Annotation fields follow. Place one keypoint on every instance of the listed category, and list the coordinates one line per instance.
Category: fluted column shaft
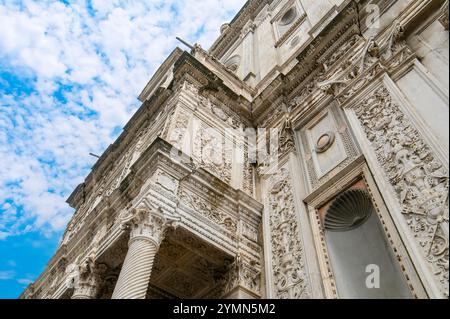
(145, 237)
(136, 270)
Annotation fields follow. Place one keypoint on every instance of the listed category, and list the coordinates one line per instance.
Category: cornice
(189, 67)
(114, 151)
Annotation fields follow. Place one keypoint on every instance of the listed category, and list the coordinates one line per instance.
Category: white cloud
(24, 281)
(98, 58)
(7, 274)
(4, 235)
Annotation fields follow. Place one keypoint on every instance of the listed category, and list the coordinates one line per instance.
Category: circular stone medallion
(324, 142)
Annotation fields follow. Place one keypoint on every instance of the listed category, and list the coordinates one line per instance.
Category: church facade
(304, 155)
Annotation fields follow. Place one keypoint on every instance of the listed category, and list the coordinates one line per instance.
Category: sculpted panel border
(414, 180)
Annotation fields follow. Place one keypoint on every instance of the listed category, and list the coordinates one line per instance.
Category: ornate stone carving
(84, 278)
(209, 210)
(286, 139)
(241, 273)
(351, 69)
(143, 222)
(360, 69)
(418, 177)
(211, 153)
(340, 52)
(179, 129)
(290, 281)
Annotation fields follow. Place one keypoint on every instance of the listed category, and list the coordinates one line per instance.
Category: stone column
(146, 233)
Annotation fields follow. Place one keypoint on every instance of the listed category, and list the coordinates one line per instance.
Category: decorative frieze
(209, 210)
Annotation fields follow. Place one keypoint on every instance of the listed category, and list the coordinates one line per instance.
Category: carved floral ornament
(374, 57)
(287, 250)
(147, 222)
(241, 273)
(84, 276)
(209, 210)
(416, 174)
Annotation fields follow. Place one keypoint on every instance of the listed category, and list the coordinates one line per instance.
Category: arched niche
(358, 248)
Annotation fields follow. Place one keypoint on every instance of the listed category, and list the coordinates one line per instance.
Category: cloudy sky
(70, 74)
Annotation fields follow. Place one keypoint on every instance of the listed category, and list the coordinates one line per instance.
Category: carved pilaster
(290, 281)
(416, 174)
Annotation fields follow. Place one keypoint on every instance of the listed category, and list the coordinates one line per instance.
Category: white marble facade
(355, 97)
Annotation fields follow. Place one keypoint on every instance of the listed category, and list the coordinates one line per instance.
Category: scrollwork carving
(287, 250)
(418, 177)
(145, 223)
(208, 210)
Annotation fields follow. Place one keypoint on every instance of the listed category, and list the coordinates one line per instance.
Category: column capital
(84, 278)
(145, 223)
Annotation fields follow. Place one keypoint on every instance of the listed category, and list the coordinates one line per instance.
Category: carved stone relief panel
(212, 153)
(419, 179)
(240, 273)
(210, 209)
(328, 146)
(288, 261)
(179, 128)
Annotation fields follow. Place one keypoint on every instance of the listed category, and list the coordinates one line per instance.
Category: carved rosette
(418, 177)
(290, 280)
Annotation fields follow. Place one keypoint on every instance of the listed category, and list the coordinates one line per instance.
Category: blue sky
(70, 74)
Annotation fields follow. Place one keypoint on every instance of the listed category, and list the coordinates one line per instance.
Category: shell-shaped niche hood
(348, 211)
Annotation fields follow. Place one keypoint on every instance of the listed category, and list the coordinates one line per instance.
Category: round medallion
(324, 142)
